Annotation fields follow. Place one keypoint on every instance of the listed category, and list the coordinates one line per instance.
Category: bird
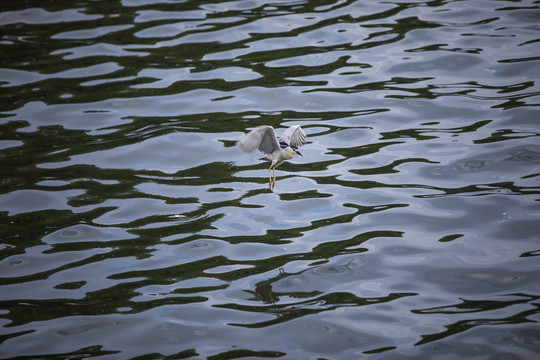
(275, 150)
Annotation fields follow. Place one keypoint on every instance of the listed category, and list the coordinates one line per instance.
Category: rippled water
(132, 227)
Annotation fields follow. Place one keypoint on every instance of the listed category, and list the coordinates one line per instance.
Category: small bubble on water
(70, 233)
(471, 164)
(17, 262)
(200, 245)
(331, 270)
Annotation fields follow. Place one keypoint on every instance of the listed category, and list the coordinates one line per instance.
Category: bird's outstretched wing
(262, 137)
(294, 135)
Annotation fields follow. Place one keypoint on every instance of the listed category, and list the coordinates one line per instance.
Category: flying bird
(275, 150)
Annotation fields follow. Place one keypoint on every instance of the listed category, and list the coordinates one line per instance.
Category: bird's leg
(273, 168)
(270, 179)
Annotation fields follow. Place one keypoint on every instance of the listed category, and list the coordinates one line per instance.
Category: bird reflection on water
(264, 291)
(276, 150)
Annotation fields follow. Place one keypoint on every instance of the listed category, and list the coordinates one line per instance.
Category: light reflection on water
(133, 228)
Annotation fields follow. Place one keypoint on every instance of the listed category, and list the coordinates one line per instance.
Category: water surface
(132, 227)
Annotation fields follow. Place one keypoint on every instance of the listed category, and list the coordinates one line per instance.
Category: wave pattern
(133, 228)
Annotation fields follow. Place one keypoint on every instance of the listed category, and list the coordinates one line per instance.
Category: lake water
(133, 228)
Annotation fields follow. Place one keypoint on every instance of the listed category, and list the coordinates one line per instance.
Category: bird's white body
(276, 150)
(279, 156)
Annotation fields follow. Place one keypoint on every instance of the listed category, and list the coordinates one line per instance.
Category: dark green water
(132, 228)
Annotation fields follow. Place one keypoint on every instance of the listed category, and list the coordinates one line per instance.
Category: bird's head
(295, 150)
(291, 150)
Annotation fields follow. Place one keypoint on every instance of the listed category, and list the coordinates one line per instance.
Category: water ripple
(132, 226)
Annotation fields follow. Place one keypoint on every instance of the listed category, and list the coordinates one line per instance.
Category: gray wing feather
(262, 138)
(294, 135)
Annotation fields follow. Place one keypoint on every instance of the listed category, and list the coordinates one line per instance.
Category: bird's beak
(298, 152)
